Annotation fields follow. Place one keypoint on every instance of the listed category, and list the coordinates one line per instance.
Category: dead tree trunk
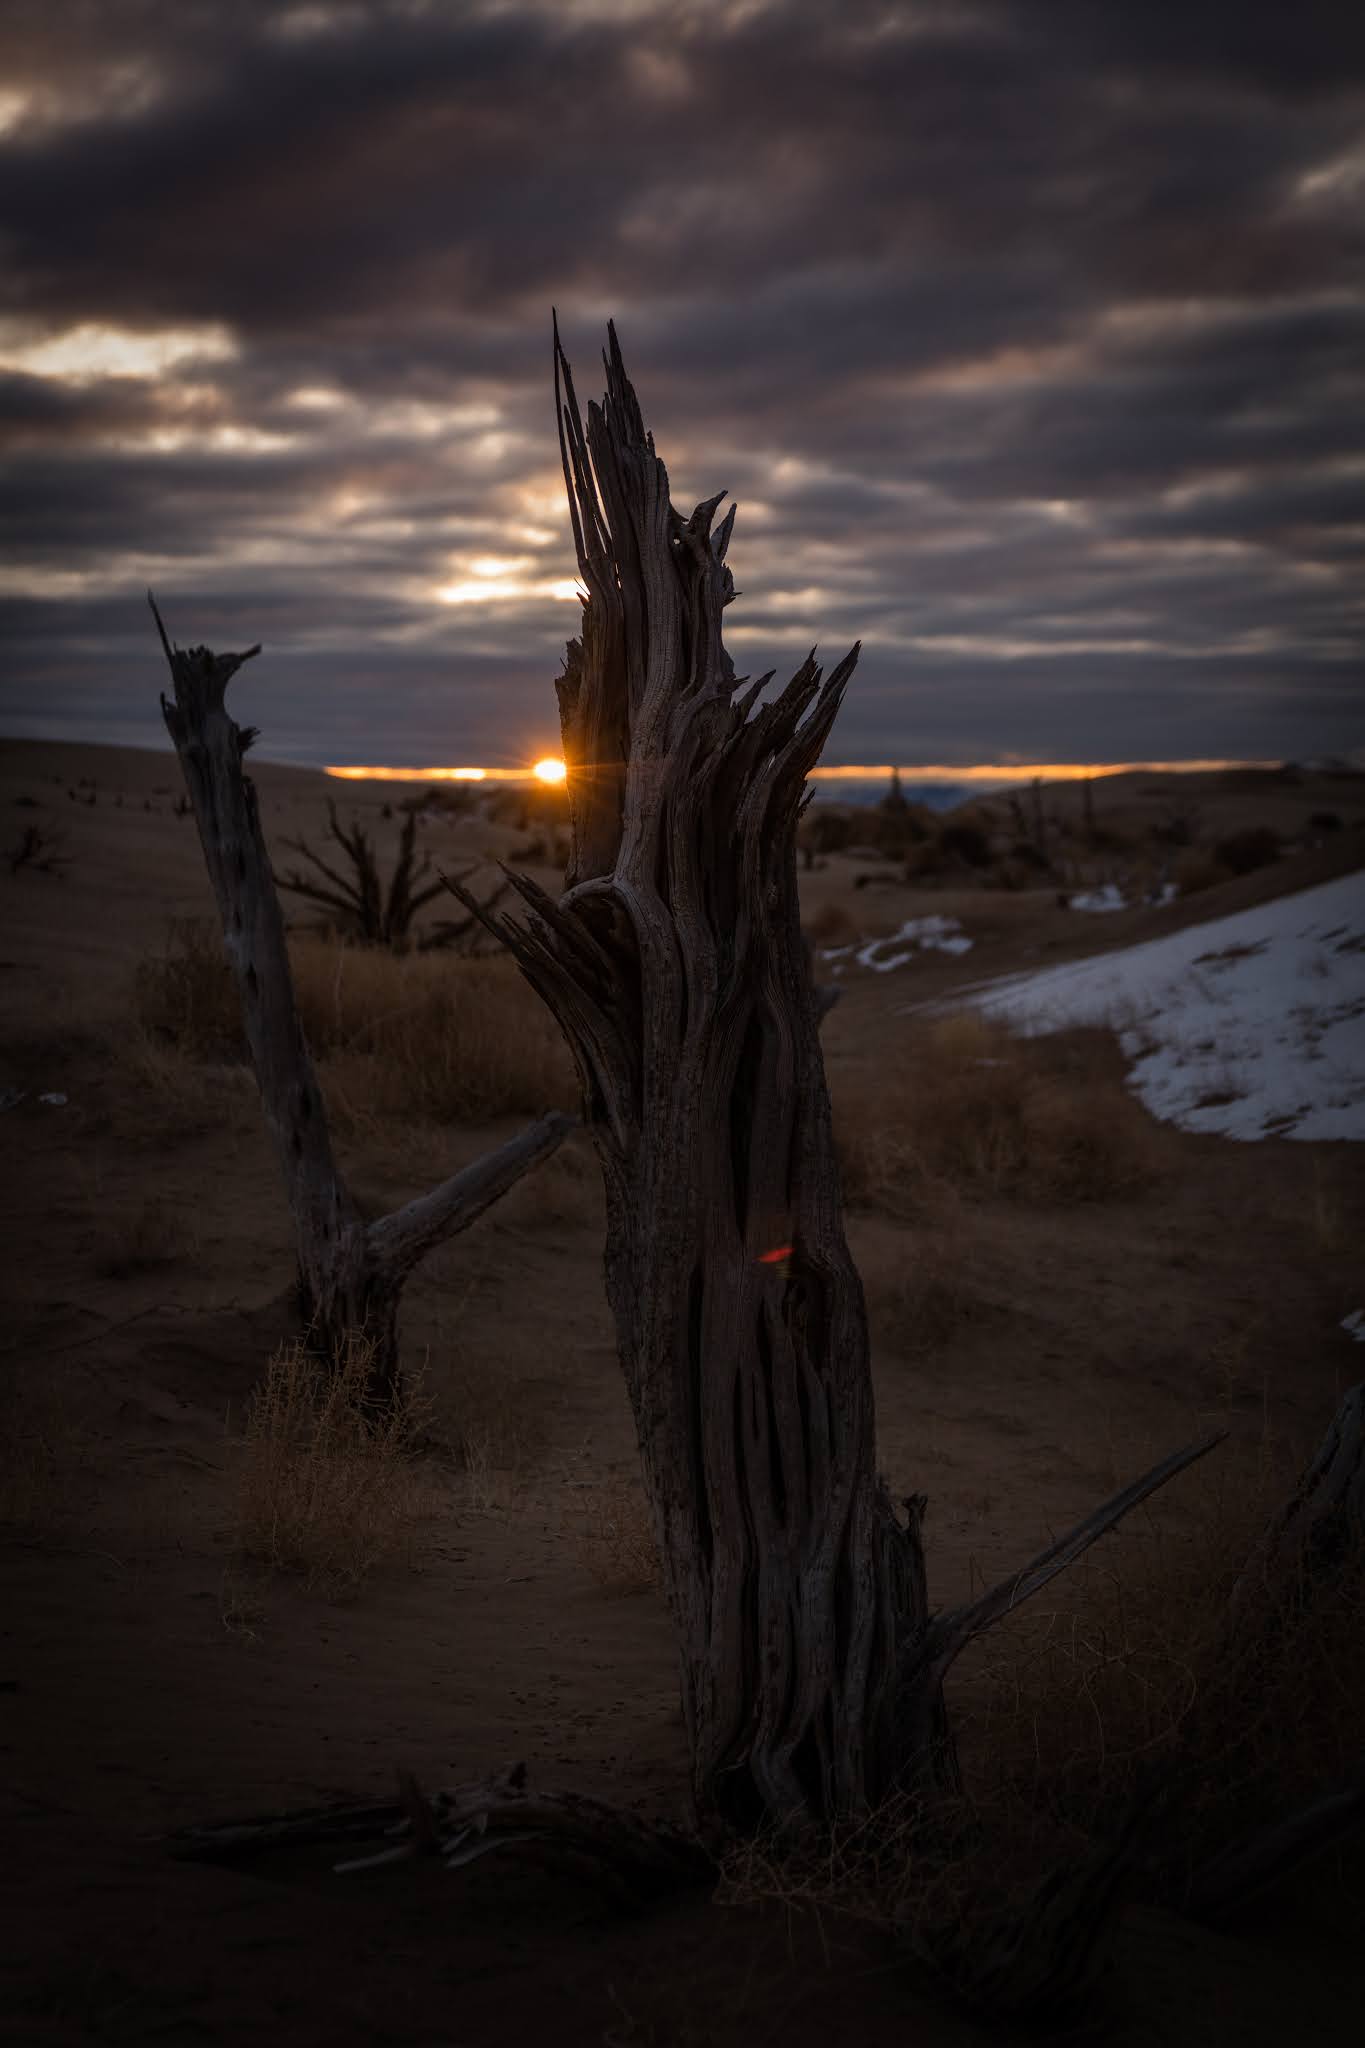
(675, 964)
(351, 1273)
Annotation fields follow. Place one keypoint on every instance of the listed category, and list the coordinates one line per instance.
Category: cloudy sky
(1028, 334)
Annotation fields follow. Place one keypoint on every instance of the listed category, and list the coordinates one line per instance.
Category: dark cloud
(1031, 338)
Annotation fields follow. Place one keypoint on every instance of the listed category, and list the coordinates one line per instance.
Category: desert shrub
(326, 1483)
(1025, 854)
(974, 1107)
(429, 1037)
(609, 1524)
(1199, 869)
(1243, 852)
(413, 1035)
(963, 839)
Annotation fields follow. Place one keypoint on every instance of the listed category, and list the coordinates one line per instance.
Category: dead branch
(351, 1272)
(950, 1633)
(367, 911)
(644, 1859)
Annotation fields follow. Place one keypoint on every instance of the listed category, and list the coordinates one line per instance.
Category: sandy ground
(147, 1681)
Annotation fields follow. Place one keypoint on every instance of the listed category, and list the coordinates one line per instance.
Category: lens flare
(549, 771)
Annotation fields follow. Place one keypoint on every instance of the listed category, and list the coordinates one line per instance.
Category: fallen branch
(646, 1859)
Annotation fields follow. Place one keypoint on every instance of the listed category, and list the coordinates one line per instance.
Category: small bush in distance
(1244, 852)
(966, 841)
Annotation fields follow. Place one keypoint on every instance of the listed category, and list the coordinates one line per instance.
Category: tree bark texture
(350, 1273)
(675, 964)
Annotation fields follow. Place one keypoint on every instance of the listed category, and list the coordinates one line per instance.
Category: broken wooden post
(351, 1273)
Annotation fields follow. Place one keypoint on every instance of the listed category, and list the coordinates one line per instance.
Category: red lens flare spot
(775, 1258)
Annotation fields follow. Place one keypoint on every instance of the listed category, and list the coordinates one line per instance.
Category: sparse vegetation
(1131, 1696)
(987, 1113)
(609, 1523)
(327, 1486)
(1199, 869)
(364, 910)
(413, 1036)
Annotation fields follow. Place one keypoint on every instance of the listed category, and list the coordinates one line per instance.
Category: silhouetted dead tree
(365, 909)
(351, 1272)
(812, 1665)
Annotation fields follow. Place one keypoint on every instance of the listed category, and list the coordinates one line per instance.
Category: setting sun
(549, 771)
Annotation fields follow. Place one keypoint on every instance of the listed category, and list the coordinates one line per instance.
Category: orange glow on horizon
(998, 773)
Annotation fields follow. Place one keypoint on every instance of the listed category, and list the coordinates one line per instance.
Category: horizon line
(933, 771)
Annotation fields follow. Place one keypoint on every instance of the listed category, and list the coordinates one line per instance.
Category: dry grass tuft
(973, 1108)
(426, 1037)
(327, 1486)
(609, 1523)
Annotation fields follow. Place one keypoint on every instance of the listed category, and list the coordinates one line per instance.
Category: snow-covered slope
(1251, 1025)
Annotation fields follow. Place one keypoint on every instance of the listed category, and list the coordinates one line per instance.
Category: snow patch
(1251, 1026)
(1110, 897)
(932, 934)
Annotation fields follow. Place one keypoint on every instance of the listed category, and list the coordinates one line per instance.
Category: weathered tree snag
(676, 966)
(350, 1273)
